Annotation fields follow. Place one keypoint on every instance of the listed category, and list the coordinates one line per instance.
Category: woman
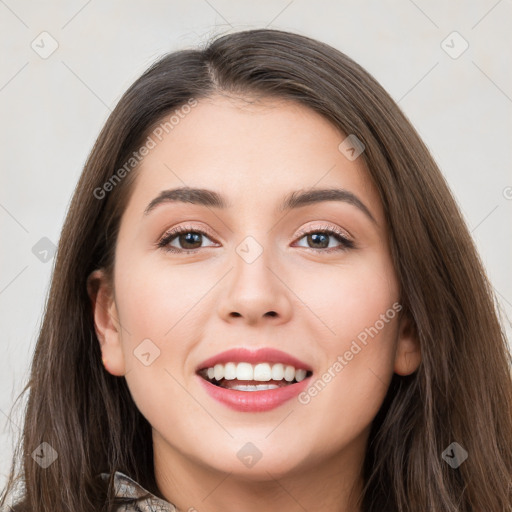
(265, 298)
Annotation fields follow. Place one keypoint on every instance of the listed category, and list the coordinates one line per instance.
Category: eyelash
(346, 243)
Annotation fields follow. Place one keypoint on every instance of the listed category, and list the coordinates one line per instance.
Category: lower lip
(254, 401)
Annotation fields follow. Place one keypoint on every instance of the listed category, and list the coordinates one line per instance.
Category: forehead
(251, 149)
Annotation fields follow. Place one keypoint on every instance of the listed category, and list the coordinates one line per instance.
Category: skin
(254, 153)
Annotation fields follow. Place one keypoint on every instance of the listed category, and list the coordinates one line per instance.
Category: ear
(408, 351)
(106, 322)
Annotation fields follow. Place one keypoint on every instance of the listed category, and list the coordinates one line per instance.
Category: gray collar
(125, 487)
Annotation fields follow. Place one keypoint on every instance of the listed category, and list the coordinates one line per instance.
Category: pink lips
(254, 401)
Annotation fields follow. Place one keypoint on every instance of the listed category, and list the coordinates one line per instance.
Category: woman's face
(260, 277)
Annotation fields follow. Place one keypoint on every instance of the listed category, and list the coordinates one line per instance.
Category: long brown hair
(462, 391)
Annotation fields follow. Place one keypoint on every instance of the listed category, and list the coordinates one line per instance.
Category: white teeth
(244, 371)
(218, 371)
(289, 373)
(300, 375)
(278, 372)
(230, 371)
(257, 387)
(261, 372)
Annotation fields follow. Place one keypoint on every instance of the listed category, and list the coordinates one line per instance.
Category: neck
(332, 485)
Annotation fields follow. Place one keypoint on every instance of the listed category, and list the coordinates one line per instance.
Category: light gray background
(53, 108)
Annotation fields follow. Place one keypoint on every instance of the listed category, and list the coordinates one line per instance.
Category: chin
(257, 464)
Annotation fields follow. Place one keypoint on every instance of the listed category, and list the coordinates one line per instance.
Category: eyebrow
(295, 199)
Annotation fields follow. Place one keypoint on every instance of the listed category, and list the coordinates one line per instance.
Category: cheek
(350, 298)
(157, 307)
(366, 324)
(364, 311)
(345, 397)
(156, 299)
(360, 307)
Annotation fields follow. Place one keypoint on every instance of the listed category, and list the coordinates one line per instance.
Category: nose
(256, 293)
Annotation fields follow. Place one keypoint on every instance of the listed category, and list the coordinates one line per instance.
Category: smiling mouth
(247, 377)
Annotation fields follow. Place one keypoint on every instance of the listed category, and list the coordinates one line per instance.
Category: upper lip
(261, 355)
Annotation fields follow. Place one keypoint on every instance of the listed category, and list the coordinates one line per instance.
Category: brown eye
(318, 240)
(190, 240)
(183, 240)
(326, 239)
